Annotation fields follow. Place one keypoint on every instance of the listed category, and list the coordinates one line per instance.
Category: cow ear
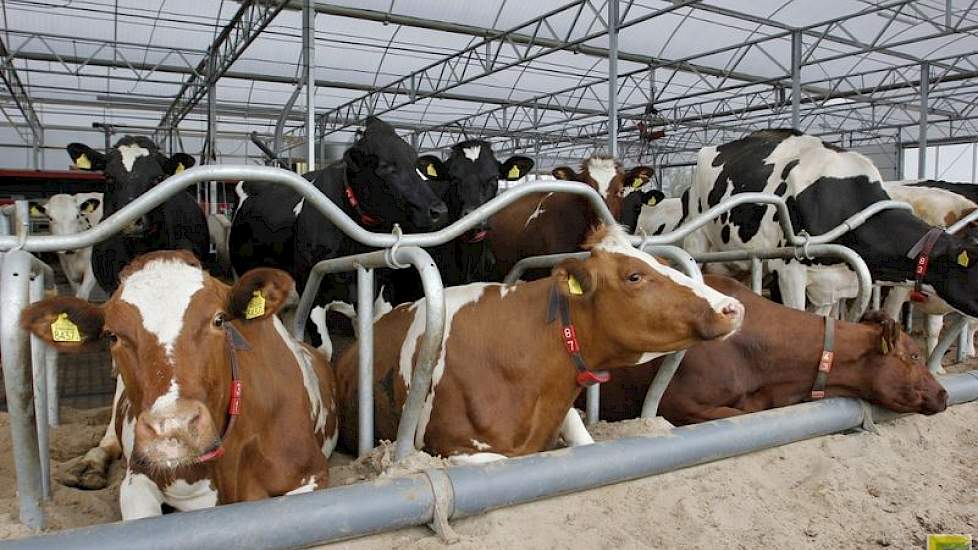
(67, 323)
(86, 158)
(89, 206)
(889, 329)
(178, 163)
(432, 167)
(652, 197)
(36, 209)
(637, 177)
(355, 158)
(260, 293)
(565, 173)
(574, 279)
(515, 168)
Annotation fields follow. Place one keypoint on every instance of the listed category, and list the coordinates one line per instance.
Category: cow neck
(235, 342)
(559, 308)
(920, 253)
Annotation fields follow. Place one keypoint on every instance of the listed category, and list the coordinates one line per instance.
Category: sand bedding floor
(858, 490)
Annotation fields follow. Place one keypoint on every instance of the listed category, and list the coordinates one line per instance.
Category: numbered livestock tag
(651, 201)
(256, 306)
(83, 162)
(574, 286)
(180, 168)
(63, 330)
(638, 182)
(948, 542)
(514, 172)
(963, 259)
(430, 171)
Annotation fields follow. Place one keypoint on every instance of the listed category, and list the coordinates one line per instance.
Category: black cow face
(631, 206)
(470, 178)
(382, 172)
(132, 167)
(953, 273)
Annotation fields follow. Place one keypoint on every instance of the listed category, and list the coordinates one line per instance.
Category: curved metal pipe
(367, 508)
(315, 199)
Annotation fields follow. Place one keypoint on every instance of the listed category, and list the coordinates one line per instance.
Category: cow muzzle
(724, 320)
(136, 227)
(176, 435)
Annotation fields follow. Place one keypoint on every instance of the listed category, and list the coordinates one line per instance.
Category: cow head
(381, 169)
(70, 214)
(165, 328)
(898, 378)
(470, 178)
(632, 204)
(638, 307)
(132, 167)
(606, 175)
(970, 231)
(953, 272)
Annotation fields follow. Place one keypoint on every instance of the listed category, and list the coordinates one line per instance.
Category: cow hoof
(83, 474)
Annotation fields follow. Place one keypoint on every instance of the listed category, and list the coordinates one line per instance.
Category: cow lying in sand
(774, 360)
(513, 358)
(217, 403)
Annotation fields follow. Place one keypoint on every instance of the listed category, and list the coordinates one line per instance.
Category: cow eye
(219, 320)
(915, 357)
(634, 277)
(113, 339)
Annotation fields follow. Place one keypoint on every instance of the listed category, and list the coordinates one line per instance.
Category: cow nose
(438, 212)
(184, 418)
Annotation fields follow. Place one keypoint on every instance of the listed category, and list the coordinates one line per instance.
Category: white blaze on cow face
(602, 171)
(130, 153)
(616, 241)
(162, 291)
(472, 153)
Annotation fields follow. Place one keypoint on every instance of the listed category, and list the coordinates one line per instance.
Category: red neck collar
(365, 219)
(235, 342)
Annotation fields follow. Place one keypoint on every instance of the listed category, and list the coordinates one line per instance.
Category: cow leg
(793, 280)
(934, 325)
(573, 430)
(139, 497)
(475, 458)
(895, 299)
(91, 471)
(191, 496)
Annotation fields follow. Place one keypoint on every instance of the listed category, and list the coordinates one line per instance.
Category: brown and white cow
(505, 377)
(192, 436)
(551, 223)
(772, 361)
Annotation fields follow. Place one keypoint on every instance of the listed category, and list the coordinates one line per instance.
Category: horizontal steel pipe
(314, 198)
(383, 505)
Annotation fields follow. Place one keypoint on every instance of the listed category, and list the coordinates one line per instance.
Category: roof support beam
(251, 18)
(8, 73)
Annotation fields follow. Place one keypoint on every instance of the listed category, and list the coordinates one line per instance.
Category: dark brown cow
(550, 223)
(772, 361)
(192, 436)
(504, 380)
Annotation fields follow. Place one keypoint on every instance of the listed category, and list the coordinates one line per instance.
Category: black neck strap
(825, 360)
(921, 253)
(559, 306)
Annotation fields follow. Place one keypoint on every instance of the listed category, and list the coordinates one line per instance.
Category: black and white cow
(67, 215)
(377, 184)
(465, 181)
(822, 185)
(132, 167)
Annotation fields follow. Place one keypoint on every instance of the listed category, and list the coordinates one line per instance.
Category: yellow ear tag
(63, 330)
(963, 259)
(574, 286)
(514, 172)
(651, 201)
(638, 182)
(884, 347)
(256, 306)
(83, 162)
(180, 168)
(35, 211)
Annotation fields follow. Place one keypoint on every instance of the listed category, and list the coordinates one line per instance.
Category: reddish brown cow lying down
(507, 376)
(773, 360)
(192, 436)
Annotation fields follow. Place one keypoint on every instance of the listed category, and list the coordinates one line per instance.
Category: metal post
(922, 131)
(593, 404)
(756, 275)
(51, 371)
(876, 297)
(947, 338)
(365, 358)
(14, 295)
(796, 46)
(963, 340)
(650, 407)
(39, 352)
(613, 78)
(309, 66)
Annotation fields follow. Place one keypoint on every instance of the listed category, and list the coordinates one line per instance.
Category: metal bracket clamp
(390, 254)
(806, 239)
(444, 504)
